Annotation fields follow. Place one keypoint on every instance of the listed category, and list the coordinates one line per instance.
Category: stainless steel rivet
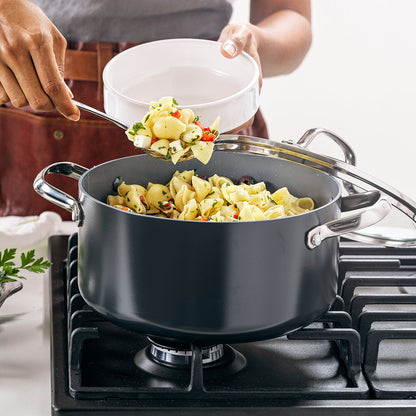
(316, 240)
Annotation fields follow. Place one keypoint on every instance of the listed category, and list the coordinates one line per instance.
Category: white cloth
(22, 232)
(24, 319)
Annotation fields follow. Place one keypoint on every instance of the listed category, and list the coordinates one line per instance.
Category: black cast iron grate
(336, 363)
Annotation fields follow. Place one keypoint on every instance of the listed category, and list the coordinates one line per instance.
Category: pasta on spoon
(174, 133)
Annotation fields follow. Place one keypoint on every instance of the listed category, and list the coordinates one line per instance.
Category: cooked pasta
(188, 196)
(174, 132)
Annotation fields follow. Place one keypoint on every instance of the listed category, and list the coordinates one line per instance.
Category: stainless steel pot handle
(311, 134)
(349, 155)
(379, 208)
(55, 195)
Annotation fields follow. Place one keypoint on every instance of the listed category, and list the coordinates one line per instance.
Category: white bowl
(192, 71)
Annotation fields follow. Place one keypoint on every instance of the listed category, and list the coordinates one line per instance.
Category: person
(54, 50)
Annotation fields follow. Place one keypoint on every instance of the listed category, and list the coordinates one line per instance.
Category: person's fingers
(4, 98)
(32, 57)
(228, 47)
(12, 88)
(29, 83)
(59, 49)
(237, 38)
(50, 73)
(23, 85)
(18, 75)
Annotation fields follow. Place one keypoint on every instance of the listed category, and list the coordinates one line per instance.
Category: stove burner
(172, 359)
(359, 355)
(174, 354)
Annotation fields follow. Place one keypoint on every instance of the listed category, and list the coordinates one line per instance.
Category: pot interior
(301, 181)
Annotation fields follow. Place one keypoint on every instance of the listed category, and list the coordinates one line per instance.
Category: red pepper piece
(208, 137)
(176, 114)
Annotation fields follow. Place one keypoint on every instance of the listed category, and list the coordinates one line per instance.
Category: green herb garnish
(137, 126)
(271, 200)
(9, 272)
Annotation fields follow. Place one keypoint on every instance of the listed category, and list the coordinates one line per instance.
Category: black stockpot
(204, 282)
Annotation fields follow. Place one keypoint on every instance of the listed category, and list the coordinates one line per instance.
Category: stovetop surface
(360, 355)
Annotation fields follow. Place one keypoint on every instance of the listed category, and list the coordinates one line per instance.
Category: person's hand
(239, 37)
(235, 38)
(32, 56)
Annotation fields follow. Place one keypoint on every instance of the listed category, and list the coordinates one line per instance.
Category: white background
(358, 80)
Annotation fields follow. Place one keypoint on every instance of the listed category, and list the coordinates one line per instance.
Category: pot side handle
(378, 208)
(55, 195)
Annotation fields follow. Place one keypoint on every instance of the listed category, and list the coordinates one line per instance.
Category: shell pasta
(174, 132)
(188, 196)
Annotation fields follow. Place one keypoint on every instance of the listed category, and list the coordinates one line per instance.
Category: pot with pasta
(240, 249)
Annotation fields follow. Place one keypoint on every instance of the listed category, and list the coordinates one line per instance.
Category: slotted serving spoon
(120, 124)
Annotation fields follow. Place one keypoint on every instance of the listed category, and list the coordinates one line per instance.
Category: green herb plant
(9, 271)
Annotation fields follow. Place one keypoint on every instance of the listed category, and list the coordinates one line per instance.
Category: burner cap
(180, 355)
(172, 359)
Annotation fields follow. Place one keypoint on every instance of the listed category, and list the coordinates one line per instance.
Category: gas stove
(360, 356)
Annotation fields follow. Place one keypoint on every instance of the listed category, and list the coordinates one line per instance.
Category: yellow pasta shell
(168, 128)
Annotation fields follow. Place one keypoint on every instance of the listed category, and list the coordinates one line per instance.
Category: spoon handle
(99, 113)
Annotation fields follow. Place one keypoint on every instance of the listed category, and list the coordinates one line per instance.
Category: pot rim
(334, 199)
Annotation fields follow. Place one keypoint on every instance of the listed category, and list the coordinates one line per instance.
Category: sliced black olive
(117, 182)
(248, 180)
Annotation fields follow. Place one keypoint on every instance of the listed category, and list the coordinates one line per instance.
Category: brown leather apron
(31, 140)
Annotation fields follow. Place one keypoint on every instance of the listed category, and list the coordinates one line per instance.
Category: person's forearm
(283, 38)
